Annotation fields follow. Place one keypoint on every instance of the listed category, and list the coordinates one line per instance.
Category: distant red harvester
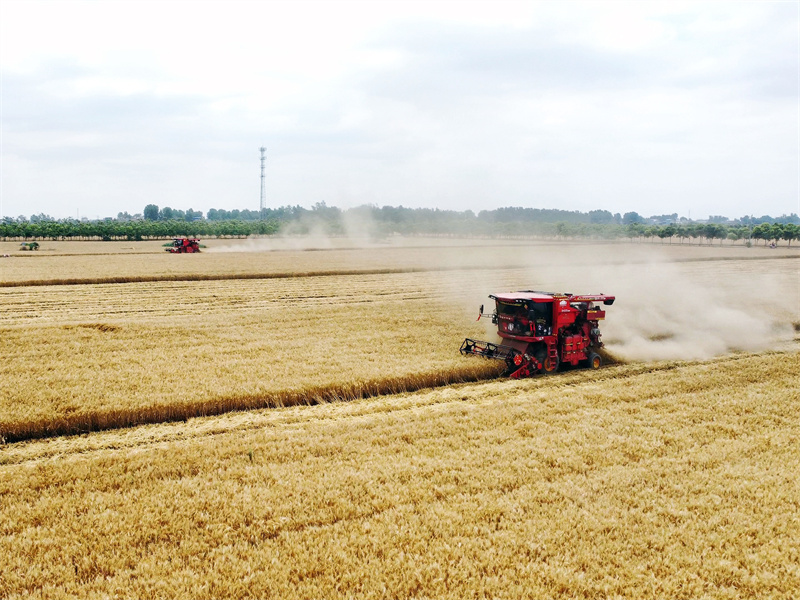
(184, 245)
(543, 330)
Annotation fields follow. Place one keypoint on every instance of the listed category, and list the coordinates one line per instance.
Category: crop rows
(94, 357)
(672, 479)
(673, 483)
(89, 357)
(147, 261)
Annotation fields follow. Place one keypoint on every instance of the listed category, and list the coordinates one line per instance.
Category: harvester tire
(549, 365)
(595, 360)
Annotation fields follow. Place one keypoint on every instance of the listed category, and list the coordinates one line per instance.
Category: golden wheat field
(221, 465)
(98, 262)
(671, 480)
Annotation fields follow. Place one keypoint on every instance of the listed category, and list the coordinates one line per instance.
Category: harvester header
(542, 330)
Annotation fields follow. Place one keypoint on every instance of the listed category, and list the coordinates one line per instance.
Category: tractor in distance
(184, 245)
(541, 331)
(29, 246)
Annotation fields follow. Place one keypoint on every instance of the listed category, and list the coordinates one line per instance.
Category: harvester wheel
(595, 360)
(549, 365)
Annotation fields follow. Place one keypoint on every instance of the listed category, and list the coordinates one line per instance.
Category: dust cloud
(357, 231)
(672, 304)
(665, 311)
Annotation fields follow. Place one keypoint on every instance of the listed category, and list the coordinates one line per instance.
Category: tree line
(132, 230)
(377, 222)
(398, 215)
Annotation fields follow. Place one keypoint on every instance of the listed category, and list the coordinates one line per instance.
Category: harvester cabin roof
(519, 297)
(527, 296)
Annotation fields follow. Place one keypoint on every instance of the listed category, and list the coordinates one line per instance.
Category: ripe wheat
(677, 480)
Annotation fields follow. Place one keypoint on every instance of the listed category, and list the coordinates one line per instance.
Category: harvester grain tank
(543, 330)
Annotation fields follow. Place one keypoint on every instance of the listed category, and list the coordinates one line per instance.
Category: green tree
(735, 234)
(761, 232)
(634, 230)
(666, 232)
(631, 217)
(151, 212)
(791, 232)
(694, 231)
(776, 232)
(713, 231)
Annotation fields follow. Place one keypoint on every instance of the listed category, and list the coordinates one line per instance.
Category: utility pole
(263, 181)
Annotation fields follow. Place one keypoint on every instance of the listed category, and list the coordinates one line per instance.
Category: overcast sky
(654, 107)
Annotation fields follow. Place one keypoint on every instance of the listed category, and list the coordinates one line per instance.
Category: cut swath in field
(122, 263)
(79, 358)
(229, 346)
(73, 420)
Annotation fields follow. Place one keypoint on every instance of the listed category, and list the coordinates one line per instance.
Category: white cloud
(654, 107)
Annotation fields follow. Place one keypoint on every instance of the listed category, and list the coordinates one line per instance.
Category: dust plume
(354, 229)
(663, 311)
(669, 305)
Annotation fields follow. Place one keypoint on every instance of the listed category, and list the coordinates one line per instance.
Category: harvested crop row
(117, 279)
(201, 277)
(251, 259)
(466, 289)
(103, 419)
(678, 483)
(168, 301)
(84, 357)
(112, 356)
(210, 264)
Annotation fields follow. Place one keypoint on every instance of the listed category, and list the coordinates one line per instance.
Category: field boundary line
(329, 273)
(217, 277)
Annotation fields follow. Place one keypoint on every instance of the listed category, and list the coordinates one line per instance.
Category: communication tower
(263, 181)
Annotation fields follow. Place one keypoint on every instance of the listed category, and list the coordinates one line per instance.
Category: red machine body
(543, 330)
(184, 245)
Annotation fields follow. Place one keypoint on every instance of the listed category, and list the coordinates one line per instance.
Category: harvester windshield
(512, 309)
(540, 311)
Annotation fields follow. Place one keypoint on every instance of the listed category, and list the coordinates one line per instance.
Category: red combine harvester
(542, 330)
(184, 245)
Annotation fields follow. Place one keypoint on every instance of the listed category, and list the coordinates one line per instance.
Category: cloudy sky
(654, 107)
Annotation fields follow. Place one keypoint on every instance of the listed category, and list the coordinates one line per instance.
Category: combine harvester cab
(543, 330)
(184, 245)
